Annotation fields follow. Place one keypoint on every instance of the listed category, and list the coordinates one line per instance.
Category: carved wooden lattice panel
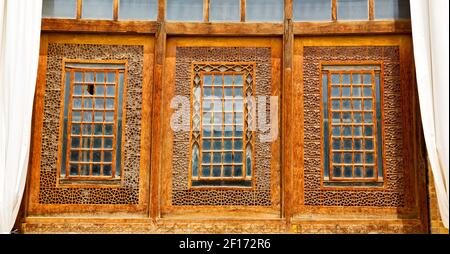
(189, 61)
(127, 192)
(394, 191)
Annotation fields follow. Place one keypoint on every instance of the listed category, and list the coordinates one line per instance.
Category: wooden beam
(158, 81)
(116, 10)
(235, 29)
(161, 10)
(371, 10)
(352, 27)
(205, 10)
(243, 10)
(79, 8)
(288, 10)
(96, 26)
(333, 10)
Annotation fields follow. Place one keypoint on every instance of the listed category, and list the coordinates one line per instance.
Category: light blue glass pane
(346, 104)
(346, 79)
(217, 145)
(89, 77)
(96, 156)
(218, 92)
(228, 80)
(107, 170)
(77, 90)
(379, 137)
(357, 104)
(348, 171)
(357, 117)
(87, 117)
(99, 90)
(59, 8)
(337, 157)
(238, 157)
(336, 117)
(206, 132)
(98, 129)
(207, 106)
(352, 9)
(312, 10)
(238, 80)
(218, 118)
(238, 106)
(228, 118)
(358, 157)
(108, 129)
(368, 131)
(96, 169)
(369, 172)
(358, 144)
(111, 77)
(87, 103)
(238, 144)
(206, 144)
(336, 131)
(217, 157)
(99, 103)
(368, 144)
(97, 9)
(224, 10)
(228, 92)
(228, 105)
(368, 117)
(356, 92)
(228, 144)
(110, 90)
(347, 117)
(138, 9)
(207, 92)
(206, 171)
(237, 170)
(335, 79)
(184, 10)
(85, 156)
(100, 77)
(392, 9)
(73, 169)
(207, 80)
(347, 158)
(368, 104)
(238, 92)
(347, 144)
(264, 10)
(356, 79)
(87, 129)
(227, 171)
(74, 155)
(357, 131)
(206, 158)
(335, 92)
(358, 172)
(346, 91)
(238, 118)
(84, 170)
(109, 116)
(109, 103)
(76, 116)
(367, 91)
(97, 143)
(337, 171)
(98, 117)
(76, 103)
(335, 104)
(228, 158)
(108, 143)
(217, 106)
(367, 79)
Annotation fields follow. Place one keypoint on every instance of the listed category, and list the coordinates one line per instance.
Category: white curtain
(430, 20)
(20, 26)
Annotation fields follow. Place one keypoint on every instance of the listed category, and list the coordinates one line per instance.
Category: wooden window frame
(354, 183)
(66, 137)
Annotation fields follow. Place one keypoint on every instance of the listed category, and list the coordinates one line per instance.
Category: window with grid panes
(222, 153)
(92, 121)
(352, 125)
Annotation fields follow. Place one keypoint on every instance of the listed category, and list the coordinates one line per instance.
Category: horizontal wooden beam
(95, 26)
(352, 27)
(242, 29)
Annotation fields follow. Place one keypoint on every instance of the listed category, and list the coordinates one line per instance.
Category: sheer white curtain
(430, 19)
(20, 26)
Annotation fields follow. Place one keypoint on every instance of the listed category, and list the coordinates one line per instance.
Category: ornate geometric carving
(128, 192)
(393, 194)
(260, 195)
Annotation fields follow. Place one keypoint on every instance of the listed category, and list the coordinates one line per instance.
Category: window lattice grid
(352, 110)
(222, 126)
(91, 149)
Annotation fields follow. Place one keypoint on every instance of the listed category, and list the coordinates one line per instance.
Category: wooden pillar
(286, 114)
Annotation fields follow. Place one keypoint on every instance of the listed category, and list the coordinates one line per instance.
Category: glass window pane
(184, 10)
(97, 9)
(312, 10)
(225, 10)
(138, 9)
(59, 8)
(392, 9)
(352, 9)
(264, 10)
